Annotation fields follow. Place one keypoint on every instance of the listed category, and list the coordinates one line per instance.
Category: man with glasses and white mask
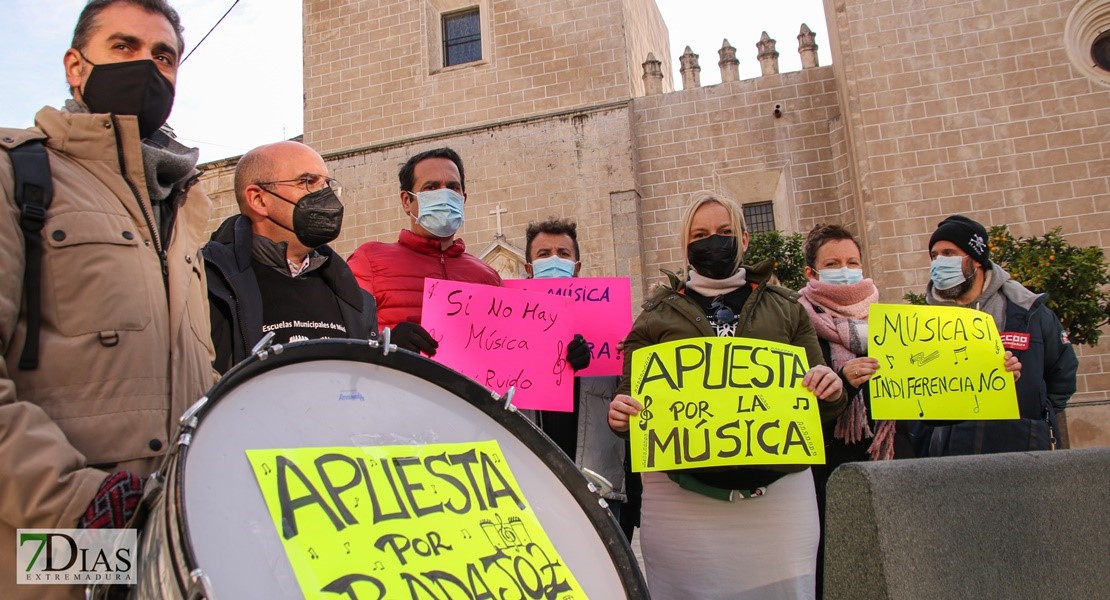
(270, 268)
(433, 192)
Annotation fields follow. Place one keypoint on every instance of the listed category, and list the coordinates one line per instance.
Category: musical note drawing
(890, 360)
(266, 469)
(921, 359)
(313, 554)
(466, 535)
(356, 501)
(432, 290)
(378, 566)
(347, 545)
(496, 458)
(645, 413)
(976, 403)
(798, 402)
(958, 352)
(922, 414)
(560, 363)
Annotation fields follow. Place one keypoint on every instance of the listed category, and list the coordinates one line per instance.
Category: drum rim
(279, 355)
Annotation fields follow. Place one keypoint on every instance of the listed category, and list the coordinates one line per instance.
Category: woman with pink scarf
(838, 300)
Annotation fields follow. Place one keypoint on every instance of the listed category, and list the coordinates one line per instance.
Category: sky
(243, 86)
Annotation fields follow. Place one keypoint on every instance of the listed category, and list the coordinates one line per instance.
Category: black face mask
(713, 257)
(317, 218)
(130, 88)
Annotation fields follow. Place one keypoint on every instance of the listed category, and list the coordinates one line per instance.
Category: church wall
(218, 181)
(930, 108)
(971, 107)
(645, 33)
(373, 73)
(577, 166)
(565, 167)
(717, 137)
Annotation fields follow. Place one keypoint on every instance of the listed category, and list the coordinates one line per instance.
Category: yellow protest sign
(429, 521)
(938, 362)
(723, 401)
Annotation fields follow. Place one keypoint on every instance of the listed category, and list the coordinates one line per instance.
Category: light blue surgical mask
(947, 272)
(441, 211)
(552, 266)
(841, 276)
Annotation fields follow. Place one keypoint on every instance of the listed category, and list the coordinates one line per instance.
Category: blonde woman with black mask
(742, 532)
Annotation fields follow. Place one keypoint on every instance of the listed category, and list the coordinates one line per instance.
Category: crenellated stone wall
(372, 71)
(974, 108)
(928, 108)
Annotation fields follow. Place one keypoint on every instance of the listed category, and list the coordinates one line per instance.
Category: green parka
(771, 313)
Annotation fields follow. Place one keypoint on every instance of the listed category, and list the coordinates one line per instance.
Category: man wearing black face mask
(270, 268)
(103, 324)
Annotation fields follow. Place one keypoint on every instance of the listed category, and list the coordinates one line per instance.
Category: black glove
(411, 336)
(578, 353)
(114, 503)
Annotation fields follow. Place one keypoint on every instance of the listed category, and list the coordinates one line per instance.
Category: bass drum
(209, 533)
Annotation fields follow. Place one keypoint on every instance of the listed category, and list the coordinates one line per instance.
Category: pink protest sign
(503, 338)
(602, 313)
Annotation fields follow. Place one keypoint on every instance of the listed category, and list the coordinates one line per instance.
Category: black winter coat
(236, 301)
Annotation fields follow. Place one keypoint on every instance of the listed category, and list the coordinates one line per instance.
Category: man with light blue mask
(433, 193)
(962, 274)
(551, 251)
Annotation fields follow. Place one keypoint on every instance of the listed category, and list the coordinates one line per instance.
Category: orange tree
(786, 250)
(1074, 278)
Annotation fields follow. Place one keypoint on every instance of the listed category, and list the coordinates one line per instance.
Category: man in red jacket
(433, 191)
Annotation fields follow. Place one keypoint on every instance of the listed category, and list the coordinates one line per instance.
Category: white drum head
(344, 393)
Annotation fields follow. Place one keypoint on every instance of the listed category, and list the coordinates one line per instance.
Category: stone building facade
(929, 108)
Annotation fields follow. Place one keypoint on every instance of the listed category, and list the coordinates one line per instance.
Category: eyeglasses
(721, 313)
(310, 182)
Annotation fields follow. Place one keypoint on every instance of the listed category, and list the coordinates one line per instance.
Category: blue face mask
(441, 211)
(947, 272)
(841, 276)
(552, 266)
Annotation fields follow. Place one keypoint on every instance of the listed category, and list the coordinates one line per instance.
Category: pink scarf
(843, 323)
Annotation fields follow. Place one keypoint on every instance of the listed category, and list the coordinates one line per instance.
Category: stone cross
(499, 211)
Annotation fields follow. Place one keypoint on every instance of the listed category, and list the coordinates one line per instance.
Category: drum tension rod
(201, 587)
(597, 484)
(508, 397)
(260, 349)
(386, 343)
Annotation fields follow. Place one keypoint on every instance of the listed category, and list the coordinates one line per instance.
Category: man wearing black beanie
(962, 274)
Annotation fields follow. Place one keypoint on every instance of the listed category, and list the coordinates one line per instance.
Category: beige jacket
(122, 351)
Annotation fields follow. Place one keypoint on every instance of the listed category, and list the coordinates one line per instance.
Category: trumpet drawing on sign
(506, 534)
(921, 359)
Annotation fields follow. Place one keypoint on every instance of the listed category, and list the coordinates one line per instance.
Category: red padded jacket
(394, 273)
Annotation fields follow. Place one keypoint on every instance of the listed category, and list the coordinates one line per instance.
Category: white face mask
(552, 266)
(441, 211)
(841, 276)
(947, 272)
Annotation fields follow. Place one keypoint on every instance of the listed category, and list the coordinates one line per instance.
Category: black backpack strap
(33, 193)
